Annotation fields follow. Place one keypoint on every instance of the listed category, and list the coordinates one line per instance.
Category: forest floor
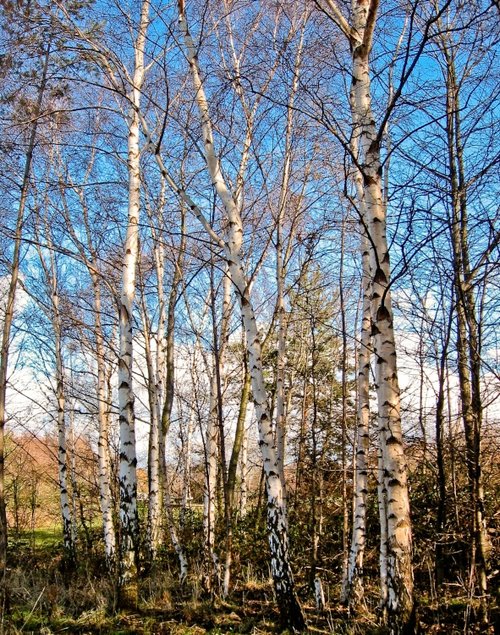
(44, 599)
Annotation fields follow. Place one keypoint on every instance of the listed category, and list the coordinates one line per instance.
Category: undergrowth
(45, 597)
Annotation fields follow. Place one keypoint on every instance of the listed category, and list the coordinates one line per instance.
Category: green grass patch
(39, 538)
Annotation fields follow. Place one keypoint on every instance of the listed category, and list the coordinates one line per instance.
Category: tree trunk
(186, 469)
(211, 561)
(104, 462)
(290, 611)
(153, 532)
(440, 421)
(244, 461)
(238, 436)
(52, 282)
(62, 458)
(166, 364)
(400, 607)
(353, 590)
(468, 339)
(128, 462)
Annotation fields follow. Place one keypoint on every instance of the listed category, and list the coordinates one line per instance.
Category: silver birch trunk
(103, 391)
(128, 460)
(176, 543)
(186, 467)
(153, 532)
(62, 458)
(281, 273)
(400, 606)
(104, 462)
(382, 514)
(290, 610)
(353, 591)
(221, 381)
(211, 559)
(51, 279)
(104, 371)
(156, 369)
(165, 365)
(244, 462)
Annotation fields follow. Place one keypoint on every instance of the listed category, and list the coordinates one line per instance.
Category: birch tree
(352, 591)
(128, 460)
(290, 611)
(75, 204)
(54, 312)
(359, 32)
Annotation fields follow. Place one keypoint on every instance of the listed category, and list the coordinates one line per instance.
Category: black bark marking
(392, 440)
(383, 313)
(380, 277)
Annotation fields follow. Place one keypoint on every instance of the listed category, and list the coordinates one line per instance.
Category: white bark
(281, 273)
(382, 514)
(186, 467)
(399, 540)
(154, 493)
(104, 463)
(291, 613)
(51, 279)
(319, 595)
(166, 376)
(211, 559)
(62, 459)
(244, 461)
(178, 547)
(128, 461)
(156, 366)
(352, 592)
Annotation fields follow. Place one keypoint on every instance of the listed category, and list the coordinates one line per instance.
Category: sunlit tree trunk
(104, 370)
(344, 425)
(244, 462)
(128, 461)
(353, 590)
(372, 210)
(220, 374)
(239, 437)
(209, 492)
(399, 541)
(290, 611)
(186, 440)
(62, 455)
(238, 444)
(103, 452)
(281, 317)
(49, 268)
(153, 531)
(166, 372)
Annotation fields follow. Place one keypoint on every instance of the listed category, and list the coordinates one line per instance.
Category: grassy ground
(40, 538)
(45, 598)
